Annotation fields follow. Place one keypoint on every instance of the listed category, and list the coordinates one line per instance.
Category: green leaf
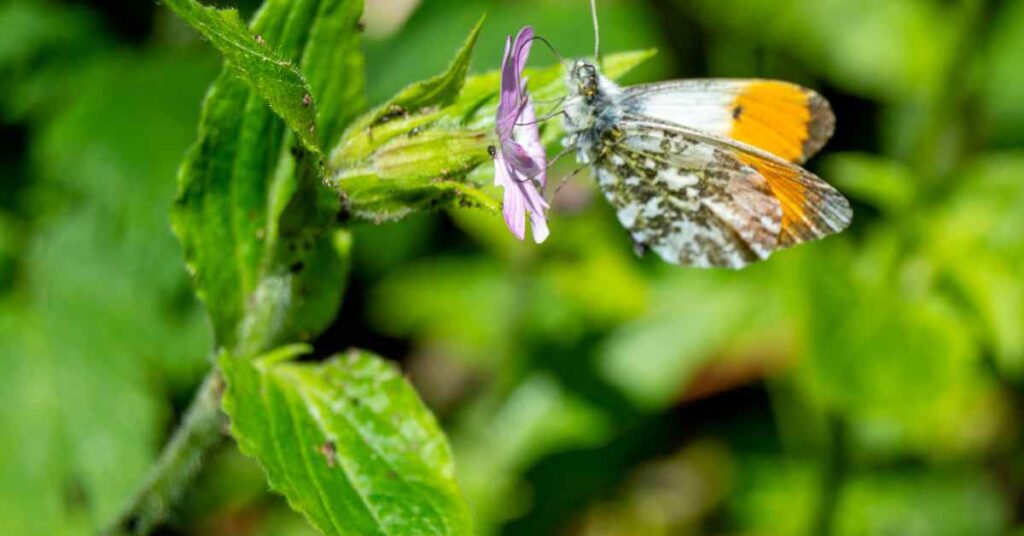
(652, 359)
(273, 76)
(499, 439)
(974, 236)
(372, 130)
(440, 90)
(462, 305)
(938, 501)
(892, 355)
(256, 223)
(334, 66)
(30, 409)
(1002, 76)
(87, 377)
(347, 441)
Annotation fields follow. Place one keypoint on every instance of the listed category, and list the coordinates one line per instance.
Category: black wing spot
(737, 112)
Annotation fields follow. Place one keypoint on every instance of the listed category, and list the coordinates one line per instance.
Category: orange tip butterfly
(706, 173)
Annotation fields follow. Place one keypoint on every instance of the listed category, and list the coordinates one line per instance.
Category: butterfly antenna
(550, 47)
(553, 113)
(597, 32)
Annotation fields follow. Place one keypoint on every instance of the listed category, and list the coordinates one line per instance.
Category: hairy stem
(200, 430)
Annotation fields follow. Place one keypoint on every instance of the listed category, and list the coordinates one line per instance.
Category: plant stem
(833, 475)
(200, 430)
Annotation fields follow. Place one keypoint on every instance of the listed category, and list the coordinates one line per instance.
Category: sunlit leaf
(439, 91)
(272, 75)
(347, 441)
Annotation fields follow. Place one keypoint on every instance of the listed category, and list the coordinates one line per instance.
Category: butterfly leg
(640, 249)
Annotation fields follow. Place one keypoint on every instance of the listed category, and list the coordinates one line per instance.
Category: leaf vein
(321, 494)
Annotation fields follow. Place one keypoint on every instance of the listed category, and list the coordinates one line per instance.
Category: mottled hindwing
(784, 119)
(700, 200)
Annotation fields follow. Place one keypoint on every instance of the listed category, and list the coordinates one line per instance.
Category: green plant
(285, 156)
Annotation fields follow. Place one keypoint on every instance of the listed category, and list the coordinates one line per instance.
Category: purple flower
(519, 163)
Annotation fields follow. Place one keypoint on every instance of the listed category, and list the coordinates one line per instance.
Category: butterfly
(706, 173)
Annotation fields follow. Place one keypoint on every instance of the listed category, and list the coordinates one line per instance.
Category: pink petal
(520, 160)
(529, 135)
(508, 105)
(513, 206)
(536, 207)
(524, 41)
(517, 166)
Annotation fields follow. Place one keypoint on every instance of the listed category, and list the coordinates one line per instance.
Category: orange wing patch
(784, 119)
(811, 208)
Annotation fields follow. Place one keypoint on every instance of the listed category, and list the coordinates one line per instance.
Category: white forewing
(699, 104)
(787, 120)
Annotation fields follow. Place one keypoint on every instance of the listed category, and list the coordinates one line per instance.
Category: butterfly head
(584, 80)
(592, 107)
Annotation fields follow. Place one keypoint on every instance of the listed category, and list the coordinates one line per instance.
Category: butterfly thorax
(592, 111)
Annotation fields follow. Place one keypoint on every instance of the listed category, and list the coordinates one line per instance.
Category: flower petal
(529, 135)
(521, 52)
(508, 105)
(512, 84)
(520, 160)
(513, 206)
(517, 165)
(536, 206)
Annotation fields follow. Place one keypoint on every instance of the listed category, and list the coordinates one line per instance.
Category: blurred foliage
(868, 384)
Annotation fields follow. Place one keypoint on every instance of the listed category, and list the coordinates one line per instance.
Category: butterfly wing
(692, 203)
(784, 119)
(701, 200)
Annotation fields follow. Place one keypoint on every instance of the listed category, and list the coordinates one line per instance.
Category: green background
(867, 384)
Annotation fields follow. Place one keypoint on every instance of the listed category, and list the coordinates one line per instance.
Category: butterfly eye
(492, 150)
